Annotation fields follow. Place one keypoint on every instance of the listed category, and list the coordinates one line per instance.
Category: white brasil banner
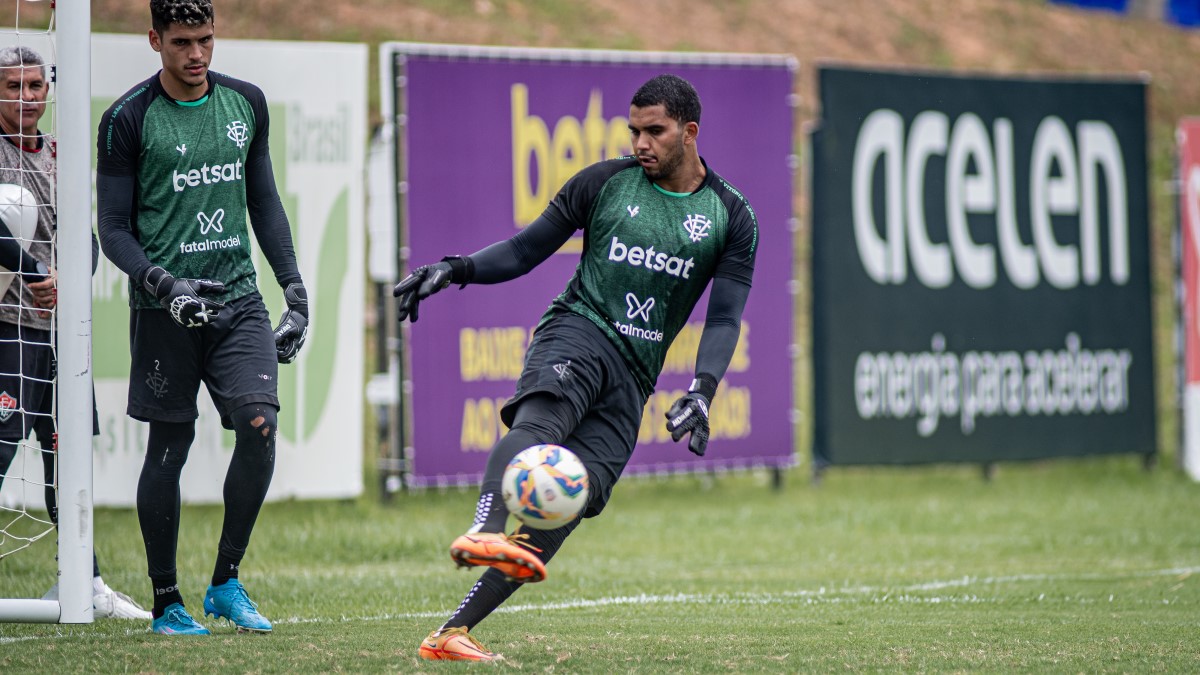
(316, 94)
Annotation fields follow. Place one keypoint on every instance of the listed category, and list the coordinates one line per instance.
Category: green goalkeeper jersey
(649, 254)
(190, 163)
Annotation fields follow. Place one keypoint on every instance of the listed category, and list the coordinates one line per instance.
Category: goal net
(45, 365)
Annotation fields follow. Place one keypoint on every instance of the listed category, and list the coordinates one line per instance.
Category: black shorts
(601, 407)
(235, 358)
(27, 373)
(26, 380)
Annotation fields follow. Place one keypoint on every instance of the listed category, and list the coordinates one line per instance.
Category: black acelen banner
(981, 281)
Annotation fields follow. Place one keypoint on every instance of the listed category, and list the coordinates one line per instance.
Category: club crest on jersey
(238, 132)
(563, 369)
(697, 227)
(8, 405)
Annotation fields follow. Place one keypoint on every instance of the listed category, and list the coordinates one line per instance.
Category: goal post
(74, 96)
(71, 65)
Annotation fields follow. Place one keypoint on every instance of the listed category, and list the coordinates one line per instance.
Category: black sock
(485, 596)
(225, 569)
(490, 512)
(166, 593)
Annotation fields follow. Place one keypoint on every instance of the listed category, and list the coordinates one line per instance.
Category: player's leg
(452, 641)
(246, 484)
(563, 376)
(540, 418)
(164, 377)
(603, 438)
(241, 371)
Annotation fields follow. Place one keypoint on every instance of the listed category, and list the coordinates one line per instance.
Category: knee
(544, 418)
(255, 424)
(169, 445)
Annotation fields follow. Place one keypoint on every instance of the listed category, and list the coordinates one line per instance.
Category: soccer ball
(545, 486)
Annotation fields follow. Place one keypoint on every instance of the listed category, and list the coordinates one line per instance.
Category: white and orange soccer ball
(545, 486)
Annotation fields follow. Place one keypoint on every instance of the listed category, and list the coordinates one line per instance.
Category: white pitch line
(823, 594)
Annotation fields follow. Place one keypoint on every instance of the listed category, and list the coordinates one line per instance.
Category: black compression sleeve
(269, 220)
(12, 256)
(722, 326)
(114, 199)
(516, 256)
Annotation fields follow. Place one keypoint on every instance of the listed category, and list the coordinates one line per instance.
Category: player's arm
(15, 258)
(513, 257)
(502, 261)
(274, 234)
(722, 327)
(36, 274)
(114, 204)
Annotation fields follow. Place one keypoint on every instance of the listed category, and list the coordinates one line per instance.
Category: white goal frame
(73, 93)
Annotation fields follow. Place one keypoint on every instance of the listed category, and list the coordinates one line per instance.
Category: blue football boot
(176, 621)
(229, 601)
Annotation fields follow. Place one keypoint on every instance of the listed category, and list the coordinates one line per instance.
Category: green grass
(1085, 565)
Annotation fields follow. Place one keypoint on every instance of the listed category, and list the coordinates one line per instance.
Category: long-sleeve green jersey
(649, 254)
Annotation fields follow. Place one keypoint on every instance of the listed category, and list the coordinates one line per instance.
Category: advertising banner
(981, 268)
(487, 138)
(318, 140)
(1188, 136)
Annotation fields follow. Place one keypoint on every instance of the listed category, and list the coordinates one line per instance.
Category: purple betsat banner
(486, 138)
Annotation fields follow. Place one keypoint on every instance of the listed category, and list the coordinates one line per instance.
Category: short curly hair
(189, 13)
(672, 92)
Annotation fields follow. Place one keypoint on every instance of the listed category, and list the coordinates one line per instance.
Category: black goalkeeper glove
(689, 414)
(427, 280)
(184, 298)
(293, 325)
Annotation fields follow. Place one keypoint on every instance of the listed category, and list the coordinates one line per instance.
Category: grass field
(1083, 565)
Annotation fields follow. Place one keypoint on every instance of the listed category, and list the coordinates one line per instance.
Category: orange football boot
(511, 554)
(454, 644)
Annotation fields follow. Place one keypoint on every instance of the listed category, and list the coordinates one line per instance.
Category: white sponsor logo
(1074, 176)
(633, 210)
(638, 332)
(697, 227)
(182, 148)
(650, 259)
(211, 223)
(637, 307)
(232, 241)
(238, 132)
(207, 175)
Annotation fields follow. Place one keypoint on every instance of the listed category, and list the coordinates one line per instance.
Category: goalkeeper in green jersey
(183, 173)
(659, 227)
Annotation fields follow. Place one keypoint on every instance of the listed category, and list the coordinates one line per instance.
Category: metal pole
(73, 92)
